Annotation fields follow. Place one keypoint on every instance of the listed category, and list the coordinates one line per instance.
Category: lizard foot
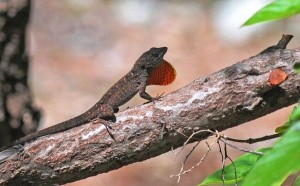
(107, 126)
(99, 120)
(156, 98)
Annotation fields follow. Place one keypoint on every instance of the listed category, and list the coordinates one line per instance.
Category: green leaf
(277, 164)
(295, 116)
(278, 9)
(243, 165)
(297, 181)
(283, 128)
(297, 67)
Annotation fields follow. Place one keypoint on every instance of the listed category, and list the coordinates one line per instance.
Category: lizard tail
(74, 122)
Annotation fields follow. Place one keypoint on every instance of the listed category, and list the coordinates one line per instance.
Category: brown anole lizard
(149, 69)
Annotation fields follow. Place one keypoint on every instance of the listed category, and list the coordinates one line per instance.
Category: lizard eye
(155, 55)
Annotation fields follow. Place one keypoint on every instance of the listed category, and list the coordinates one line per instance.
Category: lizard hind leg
(107, 112)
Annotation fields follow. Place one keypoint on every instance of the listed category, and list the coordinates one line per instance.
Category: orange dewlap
(162, 75)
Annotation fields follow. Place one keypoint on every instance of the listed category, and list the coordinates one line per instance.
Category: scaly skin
(135, 81)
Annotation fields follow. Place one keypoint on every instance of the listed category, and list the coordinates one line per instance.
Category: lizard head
(160, 72)
(152, 58)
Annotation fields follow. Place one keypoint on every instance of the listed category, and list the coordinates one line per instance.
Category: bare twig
(189, 138)
(253, 140)
(240, 148)
(225, 156)
(284, 41)
(223, 162)
(181, 172)
(184, 162)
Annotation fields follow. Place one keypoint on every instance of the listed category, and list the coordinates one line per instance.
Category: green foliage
(277, 164)
(242, 165)
(295, 116)
(283, 128)
(297, 181)
(273, 168)
(297, 67)
(278, 9)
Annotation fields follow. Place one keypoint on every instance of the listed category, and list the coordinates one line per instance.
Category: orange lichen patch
(277, 76)
(162, 75)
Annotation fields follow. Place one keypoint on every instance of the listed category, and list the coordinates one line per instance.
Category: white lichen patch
(134, 116)
(197, 95)
(201, 95)
(125, 117)
(44, 153)
(92, 133)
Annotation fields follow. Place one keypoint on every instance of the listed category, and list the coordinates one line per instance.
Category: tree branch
(253, 140)
(225, 99)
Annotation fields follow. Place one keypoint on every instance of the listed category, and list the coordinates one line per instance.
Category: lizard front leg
(143, 93)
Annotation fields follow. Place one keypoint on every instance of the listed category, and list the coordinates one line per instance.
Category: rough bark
(18, 116)
(242, 92)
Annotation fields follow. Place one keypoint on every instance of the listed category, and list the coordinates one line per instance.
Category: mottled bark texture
(18, 117)
(230, 97)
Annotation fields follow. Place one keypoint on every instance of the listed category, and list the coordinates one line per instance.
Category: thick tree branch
(242, 92)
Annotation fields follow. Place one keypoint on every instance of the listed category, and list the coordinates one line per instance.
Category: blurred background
(79, 49)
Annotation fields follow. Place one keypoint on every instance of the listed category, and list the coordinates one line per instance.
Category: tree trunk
(18, 117)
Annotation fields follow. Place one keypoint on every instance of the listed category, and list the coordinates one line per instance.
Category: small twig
(235, 171)
(189, 138)
(253, 140)
(193, 167)
(181, 172)
(226, 156)
(184, 145)
(186, 158)
(223, 158)
(284, 41)
(240, 148)
(223, 162)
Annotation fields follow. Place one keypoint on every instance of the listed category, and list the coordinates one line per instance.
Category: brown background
(80, 48)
